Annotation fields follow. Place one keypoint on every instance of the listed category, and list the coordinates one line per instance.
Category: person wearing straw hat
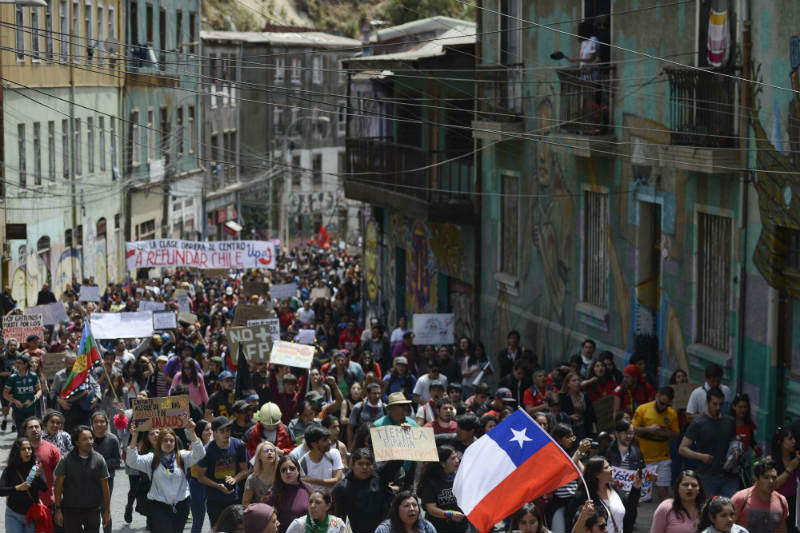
(398, 406)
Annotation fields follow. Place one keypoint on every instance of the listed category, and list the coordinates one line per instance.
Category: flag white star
(520, 436)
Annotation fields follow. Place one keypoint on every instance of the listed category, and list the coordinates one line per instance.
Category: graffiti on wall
(420, 273)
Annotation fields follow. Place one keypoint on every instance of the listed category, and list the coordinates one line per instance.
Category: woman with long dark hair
(599, 383)
(436, 491)
(745, 432)
(719, 516)
(528, 519)
(21, 489)
(166, 466)
(577, 405)
(289, 494)
(681, 513)
(784, 444)
(562, 496)
(196, 384)
(404, 516)
(621, 509)
(197, 491)
(318, 519)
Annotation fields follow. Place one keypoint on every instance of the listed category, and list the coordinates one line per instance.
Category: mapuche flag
(87, 356)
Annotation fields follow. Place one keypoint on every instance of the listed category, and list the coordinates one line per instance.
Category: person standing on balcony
(589, 56)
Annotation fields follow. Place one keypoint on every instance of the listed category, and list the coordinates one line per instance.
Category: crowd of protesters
(281, 449)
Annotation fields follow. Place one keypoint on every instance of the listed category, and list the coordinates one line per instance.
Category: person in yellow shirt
(656, 423)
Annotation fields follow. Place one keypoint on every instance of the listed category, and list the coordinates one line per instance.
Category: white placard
(183, 302)
(434, 328)
(305, 336)
(282, 291)
(122, 325)
(164, 320)
(19, 327)
(149, 305)
(273, 323)
(291, 354)
(51, 313)
(90, 294)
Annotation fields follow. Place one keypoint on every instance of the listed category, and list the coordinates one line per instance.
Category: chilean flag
(515, 463)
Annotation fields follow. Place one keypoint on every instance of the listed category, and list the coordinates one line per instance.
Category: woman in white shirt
(318, 519)
(620, 509)
(168, 498)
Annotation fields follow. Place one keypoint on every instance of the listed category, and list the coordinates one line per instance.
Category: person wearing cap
(212, 376)
(427, 412)
(269, 428)
(260, 518)
(159, 382)
(422, 393)
(288, 398)
(407, 349)
(22, 390)
(632, 392)
(503, 399)
(222, 468)
(242, 419)
(399, 379)
(221, 402)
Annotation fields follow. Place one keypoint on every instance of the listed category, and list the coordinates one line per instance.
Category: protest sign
(273, 323)
(305, 336)
(52, 314)
(604, 412)
(89, 294)
(284, 290)
(244, 312)
(623, 479)
(147, 305)
(197, 254)
(19, 327)
(256, 287)
(682, 393)
(393, 443)
(122, 325)
(164, 320)
(157, 413)
(320, 292)
(187, 318)
(183, 301)
(433, 328)
(291, 354)
(215, 273)
(256, 341)
(52, 363)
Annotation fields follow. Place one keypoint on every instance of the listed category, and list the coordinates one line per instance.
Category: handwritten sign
(202, 255)
(604, 412)
(20, 327)
(273, 323)
(256, 341)
(292, 354)
(89, 294)
(148, 305)
(284, 290)
(183, 301)
(393, 443)
(623, 479)
(306, 336)
(164, 320)
(433, 328)
(157, 413)
(52, 363)
(122, 325)
(187, 318)
(682, 393)
(320, 292)
(51, 313)
(256, 287)
(243, 312)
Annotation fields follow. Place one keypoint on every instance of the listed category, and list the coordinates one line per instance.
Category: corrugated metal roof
(459, 35)
(311, 38)
(421, 26)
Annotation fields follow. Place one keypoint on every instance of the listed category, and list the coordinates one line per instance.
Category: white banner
(284, 290)
(89, 294)
(148, 305)
(164, 320)
(51, 313)
(433, 328)
(198, 254)
(291, 354)
(122, 325)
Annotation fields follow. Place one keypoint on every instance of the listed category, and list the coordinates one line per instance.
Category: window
(111, 30)
(341, 117)
(149, 22)
(162, 38)
(316, 69)
(297, 171)
(595, 257)
(341, 74)
(65, 148)
(317, 168)
(90, 143)
(279, 69)
(296, 70)
(192, 132)
(63, 28)
(277, 113)
(48, 30)
(113, 150)
(179, 34)
(164, 131)
(19, 22)
(151, 146)
(35, 40)
(21, 151)
(76, 147)
(37, 153)
(510, 32)
(51, 150)
(213, 78)
(146, 230)
(101, 27)
(88, 24)
(233, 77)
(509, 231)
(192, 32)
(101, 134)
(116, 221)
(135, 139)
(76, 30)
(179, 140)
(68, 238)
(134, 19)
(215, 157)
(713, 280)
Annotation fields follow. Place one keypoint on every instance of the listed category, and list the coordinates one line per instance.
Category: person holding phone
(619, 508)
(21, 484)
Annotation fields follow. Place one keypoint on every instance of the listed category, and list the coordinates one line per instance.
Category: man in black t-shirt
(221, 402)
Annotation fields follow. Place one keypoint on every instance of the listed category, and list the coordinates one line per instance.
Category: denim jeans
(15, 523)
(197, 503)
(719, 485)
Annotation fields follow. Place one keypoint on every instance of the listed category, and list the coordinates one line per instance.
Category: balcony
(500, 106)
(384, 173)
(585, 101)
(703, 116)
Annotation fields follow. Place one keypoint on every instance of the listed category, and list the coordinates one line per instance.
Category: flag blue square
(519, 436)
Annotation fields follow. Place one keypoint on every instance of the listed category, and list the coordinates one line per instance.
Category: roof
(311, 38)
(459, 35)
(422, 26)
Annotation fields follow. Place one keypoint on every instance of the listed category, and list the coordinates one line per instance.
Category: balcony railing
(585, 99)
(702, 106)
(501, 93)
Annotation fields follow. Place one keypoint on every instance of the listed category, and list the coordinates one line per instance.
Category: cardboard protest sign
(183, 301)
(122, 325)
(164, 320)
(320, 292)
(433, 328)
(52, 314)
(273, 323)
(256, 287)
(187, 318)
(604, 412)
(244, 312)
(623, 479)
(682, 393)
(157, 413)
(305, 336)
(89, 294)
(291, 354)
(19, 327)
(147, 305)
(52, 363)
(199, 254)
(283, 291)
(215, 273)
(393, 443)
(256, 341)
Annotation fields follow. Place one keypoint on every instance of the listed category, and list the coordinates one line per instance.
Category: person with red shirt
(48, 453)
(269, 428)
(633, 391)
(350, 339)
(291, 395)
(443, 423)
(535, 397)
(599, 383)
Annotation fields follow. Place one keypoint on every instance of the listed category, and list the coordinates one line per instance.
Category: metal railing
(702, 107)
(502, 92)
(585, 99)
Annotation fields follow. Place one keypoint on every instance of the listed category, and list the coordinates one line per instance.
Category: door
(648, 285)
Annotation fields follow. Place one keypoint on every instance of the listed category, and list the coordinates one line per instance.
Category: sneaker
(4, 425)
(128, 514)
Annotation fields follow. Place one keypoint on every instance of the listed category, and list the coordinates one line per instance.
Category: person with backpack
(322, 466)
(760, 508)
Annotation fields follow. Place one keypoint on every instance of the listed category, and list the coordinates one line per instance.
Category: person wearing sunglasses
(591, 520)
(289, 495)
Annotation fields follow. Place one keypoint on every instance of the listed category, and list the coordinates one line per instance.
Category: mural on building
(420, 273)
